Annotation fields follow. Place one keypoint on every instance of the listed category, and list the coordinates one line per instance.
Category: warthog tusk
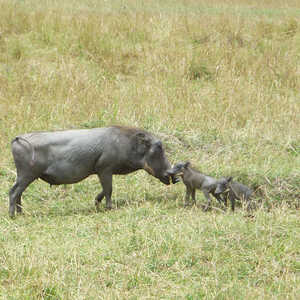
(148, 169)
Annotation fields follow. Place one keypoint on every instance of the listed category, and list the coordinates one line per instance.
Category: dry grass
(218, 81)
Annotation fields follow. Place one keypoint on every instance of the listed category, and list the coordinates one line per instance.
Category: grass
(151, 251)
(218, 82)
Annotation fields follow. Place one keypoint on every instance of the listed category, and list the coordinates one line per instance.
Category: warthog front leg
(194, 196)
(187, 196)
(98, 199)
(106, 182)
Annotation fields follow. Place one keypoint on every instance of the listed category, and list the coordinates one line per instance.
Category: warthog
(66, 157)
(237, 191)
(193, 180)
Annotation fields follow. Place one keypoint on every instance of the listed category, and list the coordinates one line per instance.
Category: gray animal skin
(66, 157)
(193, 180)
(237, 191)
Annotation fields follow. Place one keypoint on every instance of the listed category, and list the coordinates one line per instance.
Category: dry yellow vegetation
(219, 82)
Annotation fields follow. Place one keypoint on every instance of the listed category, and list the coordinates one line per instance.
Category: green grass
(218, 82)
(150, 251)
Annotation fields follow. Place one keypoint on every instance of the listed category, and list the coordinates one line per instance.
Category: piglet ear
(187, 164)
(229, 179)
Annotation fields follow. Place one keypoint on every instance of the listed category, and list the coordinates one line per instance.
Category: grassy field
(218, 82)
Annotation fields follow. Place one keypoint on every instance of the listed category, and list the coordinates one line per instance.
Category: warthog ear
(141, 143)
(187, 164)
(229, 179)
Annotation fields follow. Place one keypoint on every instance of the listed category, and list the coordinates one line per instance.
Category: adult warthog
(66, 157)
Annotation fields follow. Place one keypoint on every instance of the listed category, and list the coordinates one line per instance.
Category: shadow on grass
(75, 211)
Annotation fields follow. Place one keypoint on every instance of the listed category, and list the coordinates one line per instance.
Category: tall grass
(218, 82)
